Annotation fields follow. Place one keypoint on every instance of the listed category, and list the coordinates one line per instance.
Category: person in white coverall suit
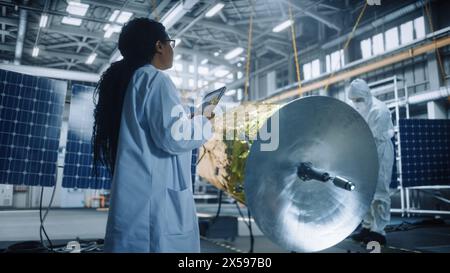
(378, 117)
(145, 136)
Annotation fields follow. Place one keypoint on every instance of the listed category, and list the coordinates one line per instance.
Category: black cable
(40, 219)
(219, 206)
(252, 239)
(241, 214)
(406, 226)
(201, 157)
(249, 225)
(35, 246)
(26, 247)
(42, 228)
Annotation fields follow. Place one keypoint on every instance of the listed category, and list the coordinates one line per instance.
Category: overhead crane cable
(294, 45)
(249, 47)
(438, 53)
(347, 43)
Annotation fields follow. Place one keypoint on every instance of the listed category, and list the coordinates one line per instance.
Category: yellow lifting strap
(294, 45)
(249, 49)
(350, 37)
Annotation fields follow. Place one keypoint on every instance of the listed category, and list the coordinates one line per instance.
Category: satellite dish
(310, 191)
(313, 190)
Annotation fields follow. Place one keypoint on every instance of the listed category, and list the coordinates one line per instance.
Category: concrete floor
(23, 225)
(69, 224)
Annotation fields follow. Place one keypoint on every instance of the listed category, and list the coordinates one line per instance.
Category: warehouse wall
(421, 74)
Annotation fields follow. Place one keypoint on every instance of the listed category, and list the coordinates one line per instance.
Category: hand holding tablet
(210, 102)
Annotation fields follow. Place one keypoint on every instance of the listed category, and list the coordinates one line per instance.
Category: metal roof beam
(137, 9)
(209, 57)
(43, 51)
(315, 15)
(51, 72)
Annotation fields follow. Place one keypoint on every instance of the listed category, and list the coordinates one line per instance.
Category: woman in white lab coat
(144, 136)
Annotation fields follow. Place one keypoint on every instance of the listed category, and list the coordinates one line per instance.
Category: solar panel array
(31, 110)
(425, 148)
(79, 158)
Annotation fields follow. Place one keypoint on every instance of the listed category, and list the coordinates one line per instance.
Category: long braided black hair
(137, 45)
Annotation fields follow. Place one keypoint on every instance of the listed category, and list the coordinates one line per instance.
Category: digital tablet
(210, 101)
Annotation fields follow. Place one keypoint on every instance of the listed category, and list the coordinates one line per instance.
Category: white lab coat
(380, 123)
(378, 117)
(152, 207)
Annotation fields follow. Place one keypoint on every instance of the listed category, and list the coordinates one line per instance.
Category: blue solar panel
(31, 110)
(425, 148)
(79, 157)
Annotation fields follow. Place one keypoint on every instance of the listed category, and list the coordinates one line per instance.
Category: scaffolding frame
(411, 210)
(385, 87)
(407, 201)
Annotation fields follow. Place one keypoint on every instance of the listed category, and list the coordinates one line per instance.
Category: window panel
(391, 38)
(419, 27)
(366, 48)
(406, 32)
(378, 44)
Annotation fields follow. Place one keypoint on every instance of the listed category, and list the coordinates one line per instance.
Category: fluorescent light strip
(91, 58)
(282, 26)
(108, 33)
(43, 21)
(77, 8)
(218, 7)
(114, 15)
(172, 16)
(234, 53)
(110, 29)
(71, 21)
(35, 51)
(221, 73)
(124, 16)
(120, 17)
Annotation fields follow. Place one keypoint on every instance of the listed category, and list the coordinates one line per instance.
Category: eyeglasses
(172, 43)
